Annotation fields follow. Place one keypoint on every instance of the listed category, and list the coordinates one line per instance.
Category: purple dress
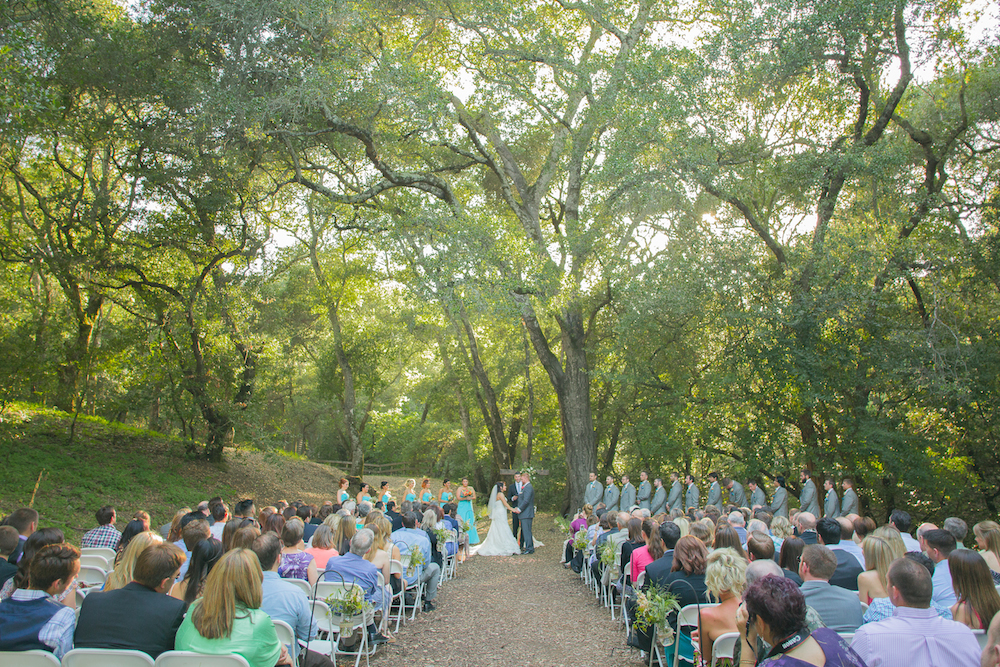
(295, 565)
(836, 650)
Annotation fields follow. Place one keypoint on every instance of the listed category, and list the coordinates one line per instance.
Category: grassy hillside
(132, 469)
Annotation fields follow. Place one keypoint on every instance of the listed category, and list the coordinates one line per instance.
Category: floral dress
(295, 565)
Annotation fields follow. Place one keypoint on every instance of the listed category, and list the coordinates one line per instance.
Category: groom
(525, 512)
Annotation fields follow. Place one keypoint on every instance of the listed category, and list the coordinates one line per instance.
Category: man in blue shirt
(286, 602)
(429, 573)
(353, 568)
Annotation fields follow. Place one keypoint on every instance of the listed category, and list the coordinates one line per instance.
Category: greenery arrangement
(416, 560)
(606, 553)
(443, 535)
(580, 540)
(466, 526)
(348, 604)
(653, 606)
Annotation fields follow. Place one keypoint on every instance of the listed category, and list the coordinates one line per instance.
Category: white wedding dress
(500, 540)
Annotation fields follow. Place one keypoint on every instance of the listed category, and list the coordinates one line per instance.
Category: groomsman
(594, 492)
(757, 496)
(849, 503)
(737, 496)
(830, 504)
(674, 499)
(627, 495)
(692, 495)
(714, 492)
(611, 494)
(659, 503)
(808, 502)
(644, 491)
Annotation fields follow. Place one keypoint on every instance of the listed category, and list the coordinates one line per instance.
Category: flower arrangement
(348, 605)
(466, 526)
(606, 553)
(580, 540)
(416, 560)
(443, 536)
(652, 608)
(563, 525)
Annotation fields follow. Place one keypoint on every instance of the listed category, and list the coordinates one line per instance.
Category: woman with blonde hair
(782, 528)
(988, 540)
(890, 533)
(175, 525)
(343, 533)
(409, 490)
(725, 578)
(379, 555)
(323, 548)
(227, 619)
(683, 524)
(879, 554)
(122, 574)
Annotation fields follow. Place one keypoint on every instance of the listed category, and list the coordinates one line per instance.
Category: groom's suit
(526, 505)
(512, 501)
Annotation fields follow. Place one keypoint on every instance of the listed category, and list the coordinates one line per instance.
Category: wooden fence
(372, 468)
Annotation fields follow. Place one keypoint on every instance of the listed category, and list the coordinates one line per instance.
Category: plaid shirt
(57, 634)
(103, 536)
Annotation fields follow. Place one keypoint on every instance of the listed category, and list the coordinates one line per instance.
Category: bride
(500, 540)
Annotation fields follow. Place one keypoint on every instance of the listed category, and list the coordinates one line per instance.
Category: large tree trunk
(572, 386)
(78, 349)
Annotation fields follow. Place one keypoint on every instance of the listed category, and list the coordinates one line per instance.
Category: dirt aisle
(518, 610)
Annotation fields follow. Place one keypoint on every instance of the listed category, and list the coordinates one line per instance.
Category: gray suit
(839, 607)
(593, 493)
(611, 497)
(758, 498)
(627, 497)
(714, 496)
(779, 502)
(526, 503)
(645, 489)
(674, 500)
(830, 505)
(691, 497)
(808, 501)
(659, 501)
(737, 495)
(849, 503)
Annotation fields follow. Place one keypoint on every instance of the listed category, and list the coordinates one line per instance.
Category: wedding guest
(25, 520)
(790, 558)
(38, 540)
(245, 536)
(650, 551)
(32, 618)
(775, 611)
(879, 555)
(977, 598)
(204, 556)
(725, 578)
(123, 574)
(295, 562)
(8, 542)
(727, 537)
(139, 616)
(987, 535)
(105, 535)
(343, 533)
(323, 547)
(132, 528)
(227, 619)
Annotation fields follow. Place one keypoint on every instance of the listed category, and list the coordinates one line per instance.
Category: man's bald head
(807, 520)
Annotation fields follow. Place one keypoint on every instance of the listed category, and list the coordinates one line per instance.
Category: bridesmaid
(343, 495)
(425, 491)
(365, 494)
(446, 495)
(466, 509)
(408, 490)
(384, 494)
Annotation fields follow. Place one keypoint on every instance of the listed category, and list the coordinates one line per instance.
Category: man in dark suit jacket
(515, 521)
(9, 540)
(140, 616)
(807, 527)
(848, 567)
(659, 569)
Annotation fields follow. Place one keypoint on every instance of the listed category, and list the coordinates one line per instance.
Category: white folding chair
(724, 647)
(96, 560)
(847, 637)
(397, 607)
(981, 638)
(106, 657)
(417, 588)
(33, 658)
(687, 617)
(864, 608)
(303, 584)
(287, 637)
(109, 554)
(327, 636)
(92, 576)
(192, 659)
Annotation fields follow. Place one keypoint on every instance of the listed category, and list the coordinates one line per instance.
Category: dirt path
(518, 610)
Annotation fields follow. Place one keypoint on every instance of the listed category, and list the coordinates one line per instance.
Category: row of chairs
(94, 657)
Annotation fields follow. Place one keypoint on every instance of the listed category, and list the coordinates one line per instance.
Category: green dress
(253, 637)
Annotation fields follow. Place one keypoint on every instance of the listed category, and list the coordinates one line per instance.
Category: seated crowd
(801, 590)
(212, 579)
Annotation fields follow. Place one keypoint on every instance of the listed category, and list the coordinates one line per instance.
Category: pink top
(321, 556)
(640, 559)
(579, 524)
